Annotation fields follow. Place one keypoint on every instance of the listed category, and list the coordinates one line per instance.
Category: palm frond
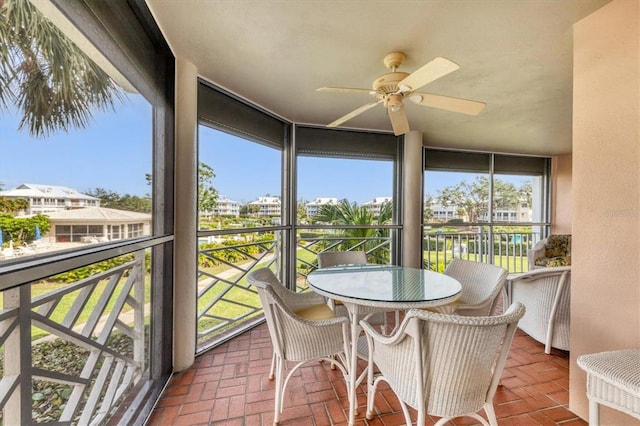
(55, 85)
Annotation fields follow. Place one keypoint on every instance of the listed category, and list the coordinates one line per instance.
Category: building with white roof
(313, 208)
(227, 207)
(375, 205)
(267, 206)
(44, 199)
(442, 212)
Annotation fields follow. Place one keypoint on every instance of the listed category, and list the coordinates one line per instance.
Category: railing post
(138, 322)
(17, 356)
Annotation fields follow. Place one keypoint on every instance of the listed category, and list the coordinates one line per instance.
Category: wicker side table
(613, 379)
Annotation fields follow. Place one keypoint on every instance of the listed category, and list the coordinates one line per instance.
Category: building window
(136, 230)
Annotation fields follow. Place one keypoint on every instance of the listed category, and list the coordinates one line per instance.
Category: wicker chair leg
(273, 366)
(491, 414)
(279, 390)
(594, 413)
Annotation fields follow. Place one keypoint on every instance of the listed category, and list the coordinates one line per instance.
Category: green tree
(302, 210)
(207, 194)
(525, 193)
(22, 229)
(45, 75)
(345, 213)
(427, 211)
(12, 205)
(472, 199)
(113, 200)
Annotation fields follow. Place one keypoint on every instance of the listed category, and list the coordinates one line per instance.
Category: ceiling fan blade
(344, 90)
(464, 106)
(399, 121)
(429, 72)
(353, 113)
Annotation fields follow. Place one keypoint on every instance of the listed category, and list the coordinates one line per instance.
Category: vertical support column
(412, 198)
(185, 217)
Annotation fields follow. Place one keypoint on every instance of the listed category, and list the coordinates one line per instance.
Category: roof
(98, 214)
(323, 200)
(378, 200)
(266, 200)
(27, 190)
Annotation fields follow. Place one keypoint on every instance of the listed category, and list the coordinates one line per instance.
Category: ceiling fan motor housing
(388, 83)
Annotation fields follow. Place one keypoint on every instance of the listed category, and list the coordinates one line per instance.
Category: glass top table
(363, 287)
(384, 286)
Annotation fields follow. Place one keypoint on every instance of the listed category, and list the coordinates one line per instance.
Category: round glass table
(363, 287)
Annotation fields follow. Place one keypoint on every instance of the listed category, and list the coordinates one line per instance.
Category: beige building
(97, 224)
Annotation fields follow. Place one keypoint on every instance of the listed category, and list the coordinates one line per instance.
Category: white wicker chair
(481, 283)
(353, 257)
(294, 336)
(535, 252)
(546, 294)
(442, 365)
(613, 379)
(333, 258)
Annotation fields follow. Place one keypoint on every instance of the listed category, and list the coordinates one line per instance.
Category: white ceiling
(515, 55)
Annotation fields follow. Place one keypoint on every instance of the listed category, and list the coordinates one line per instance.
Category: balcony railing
(505, 249)
(74, 346)
(228, 305)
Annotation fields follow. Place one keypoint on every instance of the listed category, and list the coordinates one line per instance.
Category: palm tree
(9, 205)
(45, 75)
(345, 213)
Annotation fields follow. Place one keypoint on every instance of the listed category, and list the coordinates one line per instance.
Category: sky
(114, 153)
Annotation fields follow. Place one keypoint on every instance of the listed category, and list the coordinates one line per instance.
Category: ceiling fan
(392, 88)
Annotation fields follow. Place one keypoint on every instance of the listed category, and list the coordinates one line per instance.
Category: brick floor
(228, 385)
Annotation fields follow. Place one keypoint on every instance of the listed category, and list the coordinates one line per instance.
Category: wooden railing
(72, 350)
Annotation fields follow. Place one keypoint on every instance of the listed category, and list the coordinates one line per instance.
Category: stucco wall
(605, 293)
(561, 194)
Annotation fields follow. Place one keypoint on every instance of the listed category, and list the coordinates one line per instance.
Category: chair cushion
(553, 261)
(558, 245)
(315, 313)
(557, 252)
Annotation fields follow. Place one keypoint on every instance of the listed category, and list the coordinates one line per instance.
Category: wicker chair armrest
(388, 340)
(322, 323)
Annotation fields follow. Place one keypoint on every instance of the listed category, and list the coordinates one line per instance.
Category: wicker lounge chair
(546, 294)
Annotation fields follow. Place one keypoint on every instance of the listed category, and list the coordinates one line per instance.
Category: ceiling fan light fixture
(416, 98)
(394, 102)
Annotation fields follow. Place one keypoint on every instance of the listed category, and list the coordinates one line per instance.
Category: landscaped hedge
(96, 268)
(240, 251)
